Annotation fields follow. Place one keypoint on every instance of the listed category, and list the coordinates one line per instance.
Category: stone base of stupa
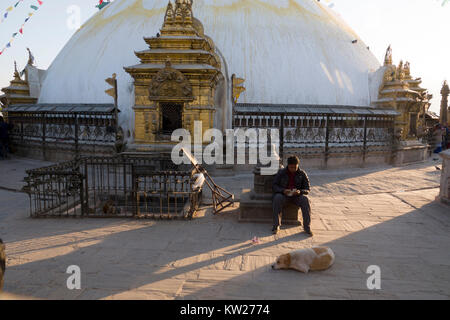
(410, 152)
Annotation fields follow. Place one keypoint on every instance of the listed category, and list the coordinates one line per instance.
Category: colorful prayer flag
(30, 14)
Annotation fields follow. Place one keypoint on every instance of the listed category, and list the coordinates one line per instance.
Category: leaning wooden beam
(221, 198)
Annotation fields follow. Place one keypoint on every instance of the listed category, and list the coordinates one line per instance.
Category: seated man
(291, 184)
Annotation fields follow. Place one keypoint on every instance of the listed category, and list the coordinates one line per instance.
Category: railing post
(77, 151)
(327, 140)
(21, 131)
(44, 128)
(365, 140)
(282, 138)
(86, 187)
(82, 204)
(134, 192)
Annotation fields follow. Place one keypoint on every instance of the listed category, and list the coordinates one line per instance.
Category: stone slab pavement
(324, 182)
(13, 170)
(403, 230)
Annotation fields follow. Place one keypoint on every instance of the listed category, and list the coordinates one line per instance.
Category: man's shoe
(275, 230)
(309, 232)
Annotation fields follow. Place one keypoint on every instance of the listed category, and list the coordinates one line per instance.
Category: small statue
(398, 134)
(169, 13)
(407, 70)
(400, 71)
(388, 56)
(187, 10)
(30, 57)
(178, 10)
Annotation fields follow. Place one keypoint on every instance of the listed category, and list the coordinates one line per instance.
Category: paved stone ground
(383, 216)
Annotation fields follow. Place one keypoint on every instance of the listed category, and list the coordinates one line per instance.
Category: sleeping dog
(2, 263)
(305, 260)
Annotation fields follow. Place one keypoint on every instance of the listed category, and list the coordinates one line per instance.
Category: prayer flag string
(20, 31)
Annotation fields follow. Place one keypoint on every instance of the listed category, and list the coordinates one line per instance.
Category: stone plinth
(257, 208)
(445, 177)
(410, 152)
(256, 204)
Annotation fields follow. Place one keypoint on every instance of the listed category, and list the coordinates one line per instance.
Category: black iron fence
(75, 128)
(120, 186)
(322, 129)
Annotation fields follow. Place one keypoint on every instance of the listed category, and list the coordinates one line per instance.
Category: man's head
(293, 163)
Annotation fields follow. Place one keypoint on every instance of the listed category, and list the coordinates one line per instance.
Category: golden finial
(16, 72)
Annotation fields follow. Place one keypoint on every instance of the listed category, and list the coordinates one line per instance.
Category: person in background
(446, 143)
(4, 138)
(437, 136)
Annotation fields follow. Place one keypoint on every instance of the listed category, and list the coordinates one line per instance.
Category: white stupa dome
(288, 52)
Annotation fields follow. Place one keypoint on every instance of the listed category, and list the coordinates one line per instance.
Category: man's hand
(286, 192)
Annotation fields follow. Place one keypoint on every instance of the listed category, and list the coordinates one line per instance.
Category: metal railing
(322, 133)
(120, 186)
(78, 129)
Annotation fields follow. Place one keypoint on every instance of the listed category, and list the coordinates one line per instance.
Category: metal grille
(77, 129)
(122, 186)
(357, 130)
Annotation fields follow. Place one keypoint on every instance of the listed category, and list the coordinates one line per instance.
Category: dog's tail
(326, 255)
(332, 256)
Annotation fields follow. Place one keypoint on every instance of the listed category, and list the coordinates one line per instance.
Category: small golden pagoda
(400, 91)
(18, 91)
(176, 80)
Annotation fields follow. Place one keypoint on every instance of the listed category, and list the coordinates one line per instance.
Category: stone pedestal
(254, 208)
(256, 204)
(410, 152)
(445, 178)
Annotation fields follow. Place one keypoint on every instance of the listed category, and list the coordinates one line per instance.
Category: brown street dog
(305, 260)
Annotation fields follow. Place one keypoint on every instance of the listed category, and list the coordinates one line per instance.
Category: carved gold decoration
(170, 84)
(237, 88)
(178, 17)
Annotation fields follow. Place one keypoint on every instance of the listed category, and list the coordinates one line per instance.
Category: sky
(418, 31)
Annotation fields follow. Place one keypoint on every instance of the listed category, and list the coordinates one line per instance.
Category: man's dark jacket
(281, 181)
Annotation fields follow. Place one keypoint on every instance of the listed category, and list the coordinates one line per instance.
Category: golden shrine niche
(176, 79)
